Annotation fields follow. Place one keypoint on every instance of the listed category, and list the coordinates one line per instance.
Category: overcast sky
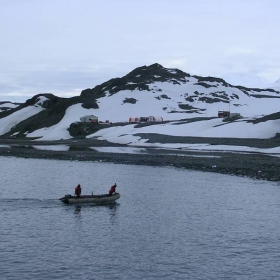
(65, 46)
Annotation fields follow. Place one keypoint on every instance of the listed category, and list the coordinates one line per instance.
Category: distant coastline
(253, 165)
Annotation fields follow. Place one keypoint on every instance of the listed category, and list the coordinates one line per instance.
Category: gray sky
(64, 46)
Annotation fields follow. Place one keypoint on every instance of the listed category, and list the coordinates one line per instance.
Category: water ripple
(168, 224)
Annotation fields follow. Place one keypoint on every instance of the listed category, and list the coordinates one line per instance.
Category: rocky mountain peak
(138, 79)
(156, 72)
(169, 93)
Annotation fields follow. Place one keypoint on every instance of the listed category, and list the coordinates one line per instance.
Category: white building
(155, 119)
(89, 118)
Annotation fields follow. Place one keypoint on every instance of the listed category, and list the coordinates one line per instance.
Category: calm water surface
(168, 223)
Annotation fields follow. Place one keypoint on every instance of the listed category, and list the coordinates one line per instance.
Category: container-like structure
(89, 118)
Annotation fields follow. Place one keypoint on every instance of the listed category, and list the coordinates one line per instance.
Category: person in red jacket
(78, 190)
(113, 189)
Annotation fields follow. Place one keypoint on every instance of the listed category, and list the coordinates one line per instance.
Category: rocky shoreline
(254, 165)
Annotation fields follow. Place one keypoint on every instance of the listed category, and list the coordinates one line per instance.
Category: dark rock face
(139, 79)
(274, 116)
(245, 89)
(8, 108)
(81, 130)
(187, 107)
(54, 110)
(203, 80)
(130, 100)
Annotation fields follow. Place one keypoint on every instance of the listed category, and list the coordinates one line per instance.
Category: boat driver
(78, 190)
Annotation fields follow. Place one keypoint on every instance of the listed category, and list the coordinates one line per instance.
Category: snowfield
(182, 105)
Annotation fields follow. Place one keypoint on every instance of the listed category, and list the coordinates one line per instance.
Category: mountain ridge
(144, 91)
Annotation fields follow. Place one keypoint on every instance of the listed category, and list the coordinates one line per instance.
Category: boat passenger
(113, 189)
(78, 190)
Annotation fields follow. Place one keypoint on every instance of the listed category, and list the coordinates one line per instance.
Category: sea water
(168, 223)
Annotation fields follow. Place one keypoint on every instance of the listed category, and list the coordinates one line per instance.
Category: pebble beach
(255, 165)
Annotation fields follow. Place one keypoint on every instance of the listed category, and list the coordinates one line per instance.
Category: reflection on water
(120, 150)
(5, 146)
(159, 149)
(38, 147)
(51, 147)
(77, 210)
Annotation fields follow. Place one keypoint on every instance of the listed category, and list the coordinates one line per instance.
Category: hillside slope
(146, 91)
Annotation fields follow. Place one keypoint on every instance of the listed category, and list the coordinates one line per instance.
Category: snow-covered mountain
(249, 80)
(245, 79)
(275, 85)
(172, 94)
